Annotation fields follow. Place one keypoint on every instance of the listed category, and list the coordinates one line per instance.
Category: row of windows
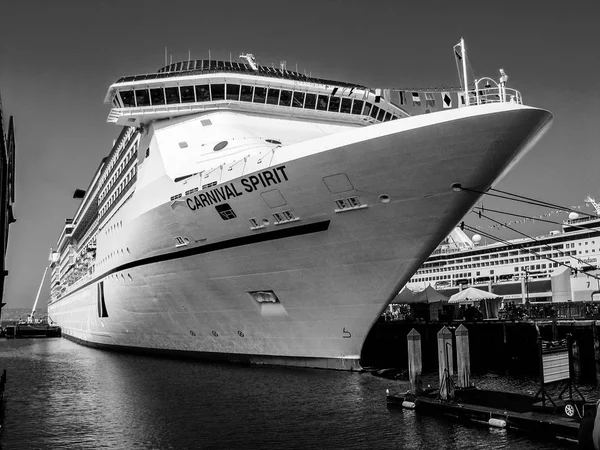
(128, 156)
(460, 276)
(543, 250)
(497, 263)
(253, 94)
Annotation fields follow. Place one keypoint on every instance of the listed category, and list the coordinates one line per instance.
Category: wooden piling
(463, 357)
(415, 363)
(445, 363)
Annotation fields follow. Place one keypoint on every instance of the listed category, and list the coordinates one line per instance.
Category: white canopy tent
(471, 295)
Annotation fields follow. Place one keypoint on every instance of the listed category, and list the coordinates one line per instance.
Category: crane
(37, 297)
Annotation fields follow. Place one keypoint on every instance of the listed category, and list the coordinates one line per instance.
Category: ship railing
(492, 93)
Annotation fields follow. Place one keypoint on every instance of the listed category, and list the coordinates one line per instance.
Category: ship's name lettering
(249, 184)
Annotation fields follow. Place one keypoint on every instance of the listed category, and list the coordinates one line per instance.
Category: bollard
(445, 363)
(415, 364)
(463, 357)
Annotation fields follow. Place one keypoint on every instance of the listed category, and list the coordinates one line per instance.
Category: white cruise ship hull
(333, 271)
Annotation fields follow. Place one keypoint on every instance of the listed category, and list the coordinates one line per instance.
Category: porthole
(384, 198)
(220, 146)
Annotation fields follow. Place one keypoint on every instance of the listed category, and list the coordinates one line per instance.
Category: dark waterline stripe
(222, 245)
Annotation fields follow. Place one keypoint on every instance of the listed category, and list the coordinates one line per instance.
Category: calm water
(62, 395)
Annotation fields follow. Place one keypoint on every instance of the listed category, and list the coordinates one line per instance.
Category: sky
(57, 60)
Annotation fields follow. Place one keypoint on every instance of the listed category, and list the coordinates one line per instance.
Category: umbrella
(428, 295)
(471, 295)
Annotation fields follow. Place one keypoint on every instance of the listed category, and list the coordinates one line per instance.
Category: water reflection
(61, 395)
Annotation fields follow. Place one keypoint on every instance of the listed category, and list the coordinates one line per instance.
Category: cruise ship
(519, 268)
(259, 215)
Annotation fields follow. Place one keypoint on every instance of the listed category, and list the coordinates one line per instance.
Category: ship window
(357, 106)
(246, 93)
(311, 101)
(273, 96)
(334, 104)
(286, 98)
(367, 109)
(298, 99)
(388, 116)
(178, 67)
(172, 95)
(203, 93)
(217, 91)
(346, 105)
(381, 115)
(233, 92)
(213, 64)
(374, 112)
(187, 94)
(142, 97)
(260, 94)
(225, 211)
(322, 102)
(128, 99)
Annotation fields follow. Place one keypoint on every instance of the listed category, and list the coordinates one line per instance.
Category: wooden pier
(543, 414)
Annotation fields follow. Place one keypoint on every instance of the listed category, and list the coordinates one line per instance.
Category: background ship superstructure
(256, 214)
(520, 267)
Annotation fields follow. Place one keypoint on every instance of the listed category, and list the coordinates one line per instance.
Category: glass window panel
(217, 91)
(157, 96)
(357, 106)
(367, 109)
(311, 101)
(381, 115)
(220, 64)
(334, 104)
(374, 112)
(247, 93)
(128, 99)
(203, 93)
(346, 105)
(185, 66)
(322, 102)
(213, 64)
(286, 98)
(260, 94)
(228, 64)
(177, 67)
(142, 97)
(273, 96)
(187, 94)
(388, 116)
(172, 95)
(233, 92)
(298, 101)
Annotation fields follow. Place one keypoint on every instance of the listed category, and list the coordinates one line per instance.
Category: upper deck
(196, 86)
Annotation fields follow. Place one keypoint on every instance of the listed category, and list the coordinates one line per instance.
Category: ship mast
(37, 297)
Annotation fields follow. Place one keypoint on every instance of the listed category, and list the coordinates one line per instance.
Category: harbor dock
(497, 409)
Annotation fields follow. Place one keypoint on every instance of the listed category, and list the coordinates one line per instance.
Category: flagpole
(464, 64)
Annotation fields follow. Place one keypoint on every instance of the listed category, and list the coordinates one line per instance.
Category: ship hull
(333, 270)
